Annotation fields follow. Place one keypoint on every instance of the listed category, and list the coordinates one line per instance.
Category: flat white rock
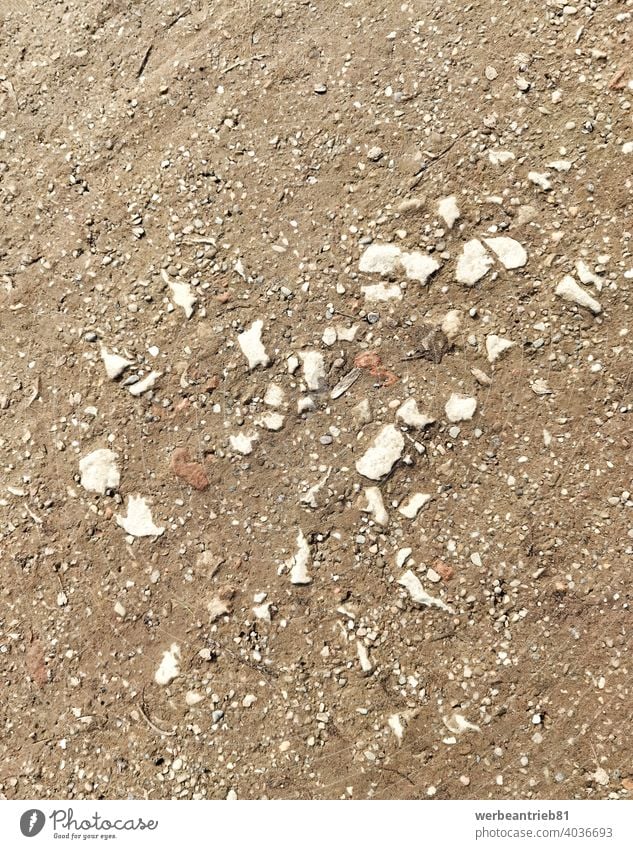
(378, 292)
(138, 522)
(496, 345)
(99, 471)
(169, 666)
(511, 253)
(380, 259)
(412, 506)
(457, 724)
(411, 583)
(452, 325)
(250, 342)
(114, 364)
(275, 396)
(300, 562)
(271, 421)
(182, 295)
(419, 266)
(587, 276)
(381, 455)
(447, 208)
(627, 147)
(376, 505)
(410, 415)
(473, 263)
(571, 291)
(148, 382)
(460, 408)
(313, 369)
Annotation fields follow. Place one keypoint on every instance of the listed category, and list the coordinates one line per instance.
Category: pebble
(500, 157)
(411, 583)
(242, 443)
(414, 504)
(300, 562)
(138, 522)
(169, 667)
(374, 154)
(491, 73)
(363, 657)
(473, 264)
(385, 450)
(569, 290)
(460, 408)
(250, 342)
(192, 698)
(375, 505)
(320, 88)
(408, 412)
(313, 369)
(99, 471)
(447, 208)
(145, 384)
(274, 396)
(540, 180)
(495, 346)
(114, 364)
(181, 294)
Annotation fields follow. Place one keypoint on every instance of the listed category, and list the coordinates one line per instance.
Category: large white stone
(385, 450)
(473, 264)
(511, 253)
(380, 259)
(99, 471)
(169, 666)
(419, 266)
(410, 415)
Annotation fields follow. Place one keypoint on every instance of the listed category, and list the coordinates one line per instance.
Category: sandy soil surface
(359, 524)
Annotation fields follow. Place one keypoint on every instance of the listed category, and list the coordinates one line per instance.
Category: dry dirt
(252, 151)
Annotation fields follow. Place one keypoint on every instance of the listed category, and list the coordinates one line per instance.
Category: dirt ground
(172, 173)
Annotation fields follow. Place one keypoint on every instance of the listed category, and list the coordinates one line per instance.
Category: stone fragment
(375, 505)
(412, 584)
(500, 157)
(300, 562)
(313, 369)
(408, 412)
(380, 259)
(169, 667)
(569, 290)
(540, 180)
(419, 266)
(495, 346)
(190, 472)
(473, 264)
(511, 253)
(99, 471)
(414, 504)
(460, 408)
(250, 342)
(242, 443)
(114, 364)
(379, 292)
(385, 450)
(138, 522)
(148, 382)
(447, 208)
(182, 295)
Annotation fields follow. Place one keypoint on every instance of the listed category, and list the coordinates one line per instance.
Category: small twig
(440, 155)
(144, 61)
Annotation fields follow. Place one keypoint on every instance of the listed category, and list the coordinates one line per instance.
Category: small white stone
(473, 264)
(169, 666)
(329, 336)
(500, 157)
(414, 504)
(560, 165)
(146, 383)
(419, 266)
(457, 724)
(249, 700)
(447, 208)
(571, 291)
(114, 364)
(250, 341)
(495, 346)
(587, 276)
(491, 73)
(380, 259)
(242, 443)
(375, 505)
(300, 562)
(182, 296)
(138, 522)
(627, 147)
(540, 180)
(274, 396)
(262, 611)
(601, 776)
(119, 609)
(313, 369)
(385, 450)
(305, 404)
(410, 415)
(192, 698)
(460, 408)
(271, 421)
(412, 584)
(99, 471)
(510, 252)
(378, 292)
(346, 334)
(452, 325)
(394, 722)
(293, 364)
(432, 575)
(402, 555)
(363, 657)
